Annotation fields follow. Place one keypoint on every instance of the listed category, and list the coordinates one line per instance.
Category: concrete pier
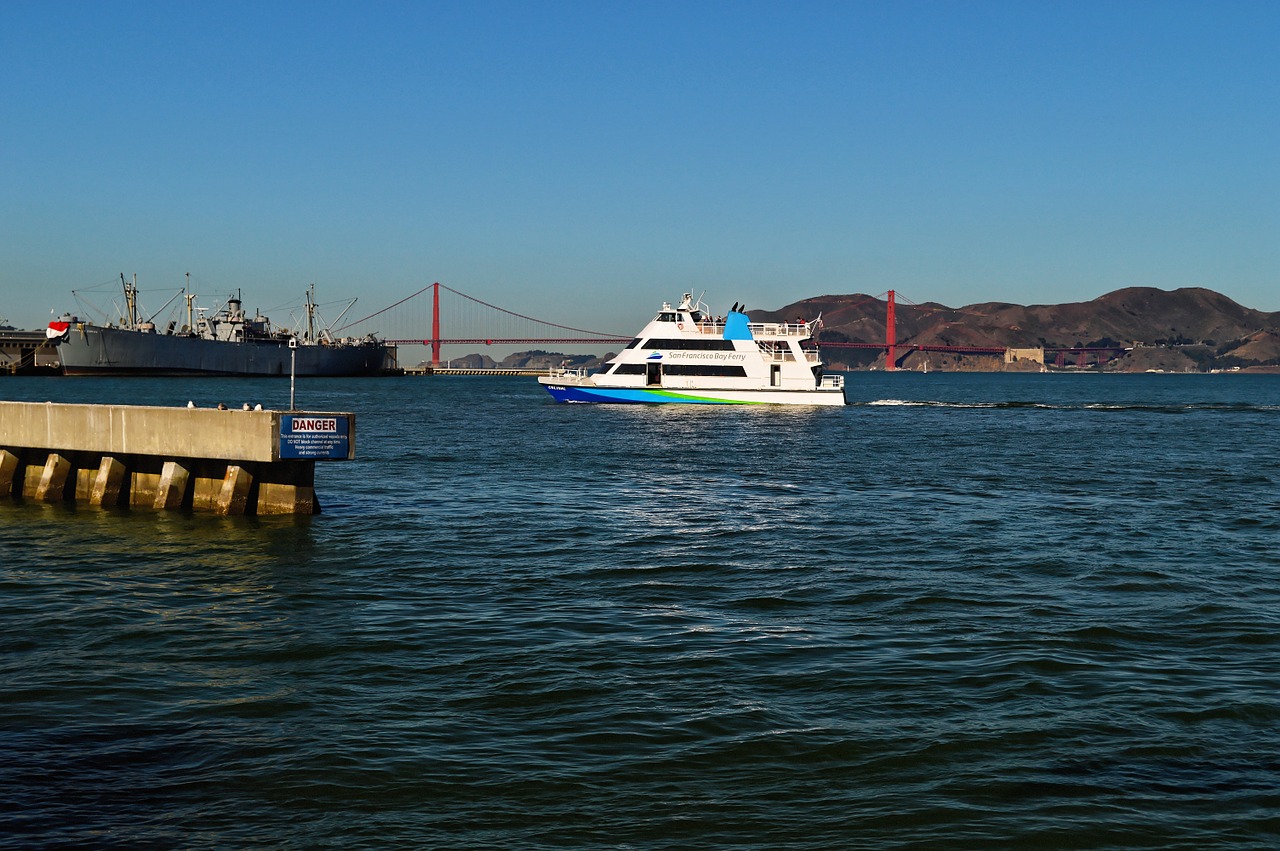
(201, 459)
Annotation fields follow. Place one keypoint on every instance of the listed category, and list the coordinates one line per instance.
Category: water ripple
(978, 611)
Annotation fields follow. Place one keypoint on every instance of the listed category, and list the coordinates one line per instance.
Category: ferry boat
(687, 355)
(229, 342)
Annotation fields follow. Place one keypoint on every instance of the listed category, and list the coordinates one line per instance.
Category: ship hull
(563, 391)
(93, 350)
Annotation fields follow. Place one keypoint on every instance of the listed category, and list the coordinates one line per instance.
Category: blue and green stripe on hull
(636, 395)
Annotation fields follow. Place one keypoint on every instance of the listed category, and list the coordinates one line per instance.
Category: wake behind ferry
(687, 355)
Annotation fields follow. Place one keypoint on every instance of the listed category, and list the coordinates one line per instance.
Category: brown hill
(1260, 347)
(1189, 316)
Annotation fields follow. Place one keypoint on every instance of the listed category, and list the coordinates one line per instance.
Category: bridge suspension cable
(604, 335)
(377, 313)
(484, 324)
(530, 318)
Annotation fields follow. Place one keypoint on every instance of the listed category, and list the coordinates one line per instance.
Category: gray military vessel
(227, 343)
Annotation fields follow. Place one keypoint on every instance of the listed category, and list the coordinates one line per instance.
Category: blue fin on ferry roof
(735, 326)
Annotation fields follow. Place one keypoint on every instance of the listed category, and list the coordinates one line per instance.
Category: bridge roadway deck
(445, 370)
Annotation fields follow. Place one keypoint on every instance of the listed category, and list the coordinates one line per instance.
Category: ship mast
(311, 313)
(131, 300)
(190, 297)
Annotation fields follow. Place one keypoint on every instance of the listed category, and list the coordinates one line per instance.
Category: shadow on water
(49, 532)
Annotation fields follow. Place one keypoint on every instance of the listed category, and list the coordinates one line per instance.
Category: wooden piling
(107, 482)
(54, 478)
(235, 490)
(8, 467)
(172, 486)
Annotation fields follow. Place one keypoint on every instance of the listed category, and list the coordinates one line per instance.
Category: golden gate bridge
(487, 323)
(482, 323)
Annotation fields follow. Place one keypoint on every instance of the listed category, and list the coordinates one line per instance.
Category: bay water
(989, 611)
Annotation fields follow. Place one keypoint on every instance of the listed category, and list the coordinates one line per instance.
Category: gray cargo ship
(227, 343)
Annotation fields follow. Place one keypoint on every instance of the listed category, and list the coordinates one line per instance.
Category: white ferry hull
(563, 391)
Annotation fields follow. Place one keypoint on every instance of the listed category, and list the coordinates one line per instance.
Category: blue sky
(586, 160)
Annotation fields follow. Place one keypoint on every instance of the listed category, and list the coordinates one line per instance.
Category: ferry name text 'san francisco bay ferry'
(687, 355)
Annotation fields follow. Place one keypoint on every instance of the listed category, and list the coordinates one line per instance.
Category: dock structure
(27, 352)
(199, 459)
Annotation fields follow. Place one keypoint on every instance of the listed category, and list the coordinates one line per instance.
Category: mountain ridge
(1206, 328)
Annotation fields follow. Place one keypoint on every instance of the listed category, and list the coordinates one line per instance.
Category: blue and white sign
(316, 436)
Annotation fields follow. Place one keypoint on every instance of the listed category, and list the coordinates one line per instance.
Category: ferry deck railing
(761, 329)
(568, 372)
(786, 356)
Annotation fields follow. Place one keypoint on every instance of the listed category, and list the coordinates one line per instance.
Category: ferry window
(629, 369)
(699, 369)
(635, 342)
(666, 317)
(692, 344)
